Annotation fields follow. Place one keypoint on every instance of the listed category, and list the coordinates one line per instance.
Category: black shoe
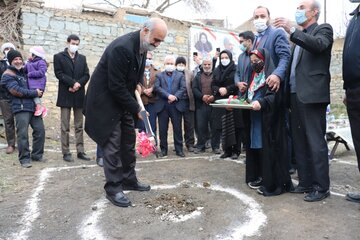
(216, 151)
(100, 161)
(353, 197)
(137, 187)
(38, 159)
(26, 165)
(199, 150)
(315, 196)
(261, 190)
(163, 153)
(67, 157)
(180, 154)
(300, 189)
(225, 155)
(190, 149)
(83, 156)
(255, 184)
(208, 144)
(234, 156)
(119, 200)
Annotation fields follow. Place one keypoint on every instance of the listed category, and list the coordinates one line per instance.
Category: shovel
(149, 132)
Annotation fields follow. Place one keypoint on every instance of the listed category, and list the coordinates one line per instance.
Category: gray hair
(316, 5)
(207, 57)
(170, 57)
(149, 24)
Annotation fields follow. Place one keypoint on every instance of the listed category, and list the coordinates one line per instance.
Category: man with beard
(203, 97)
(110, 106)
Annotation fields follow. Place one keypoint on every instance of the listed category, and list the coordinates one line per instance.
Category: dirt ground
(197, 197)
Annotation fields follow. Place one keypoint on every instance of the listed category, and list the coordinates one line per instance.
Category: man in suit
(71, 70)
(309, 90)
(170, 86)
(275, 41)
(110, 106)
(351, 76)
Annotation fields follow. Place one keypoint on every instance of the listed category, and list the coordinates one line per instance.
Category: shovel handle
(138, 99)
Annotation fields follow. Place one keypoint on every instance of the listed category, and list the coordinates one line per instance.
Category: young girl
(266, 164)
(36, 69)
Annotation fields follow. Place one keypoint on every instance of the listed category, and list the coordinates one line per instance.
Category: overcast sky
(238, 11)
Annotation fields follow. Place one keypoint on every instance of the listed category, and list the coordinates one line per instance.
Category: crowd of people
(282, 73)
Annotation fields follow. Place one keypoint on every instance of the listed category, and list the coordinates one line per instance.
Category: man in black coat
(110, 106)
(73, 73)
(309, 94)
(351, 76)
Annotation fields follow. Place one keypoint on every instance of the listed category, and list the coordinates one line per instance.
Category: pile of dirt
(174, 207)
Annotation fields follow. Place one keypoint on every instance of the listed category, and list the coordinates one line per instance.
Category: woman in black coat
(266, 159)
(227, 122)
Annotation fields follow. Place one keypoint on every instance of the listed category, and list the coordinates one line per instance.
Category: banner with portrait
(205, 40)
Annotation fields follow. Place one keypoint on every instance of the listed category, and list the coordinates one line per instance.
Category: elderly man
(5, 104)
(170, 86)
(110, 106)
(309, 94)
(203, 97)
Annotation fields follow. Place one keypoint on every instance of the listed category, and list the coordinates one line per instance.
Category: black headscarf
(221, 71)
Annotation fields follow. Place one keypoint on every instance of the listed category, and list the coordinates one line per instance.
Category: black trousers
(189, 123)
(353, 110)
(119, 156)
(308, 126)
(254, 159)
(23, 121)
(203, 120)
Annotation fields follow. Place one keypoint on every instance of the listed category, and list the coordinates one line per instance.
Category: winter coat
(111, 92)
(36, 73)
(16, 84)
(68, 72)
(4, 95)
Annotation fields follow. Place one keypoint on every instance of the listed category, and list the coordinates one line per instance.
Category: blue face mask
(242, 47)
(300, 16)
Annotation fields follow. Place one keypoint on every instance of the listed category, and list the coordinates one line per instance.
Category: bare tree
(161, 6)
(10, 25)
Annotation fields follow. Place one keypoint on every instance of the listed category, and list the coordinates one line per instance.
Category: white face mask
(180, 68)
(225, 62)
(169, 68)
(260, 24)
(73, 48)
(148, 62)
